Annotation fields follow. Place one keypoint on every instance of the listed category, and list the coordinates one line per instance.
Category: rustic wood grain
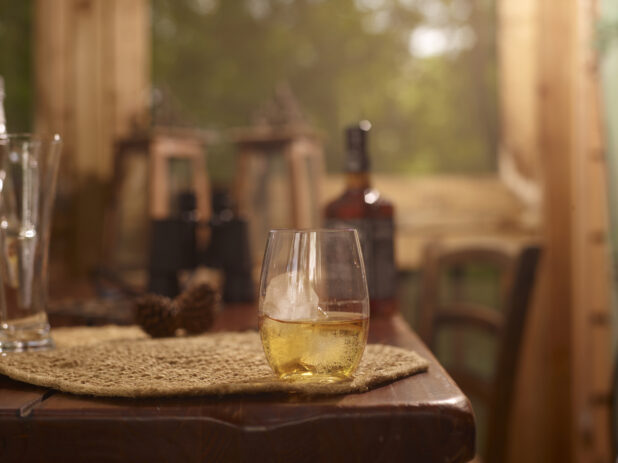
(17, 399)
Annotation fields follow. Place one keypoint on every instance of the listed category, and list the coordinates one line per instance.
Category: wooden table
(423, 418)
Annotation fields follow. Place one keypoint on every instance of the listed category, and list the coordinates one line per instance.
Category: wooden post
(92, 80)
(557, 42)
(551, 130)
(591, 277)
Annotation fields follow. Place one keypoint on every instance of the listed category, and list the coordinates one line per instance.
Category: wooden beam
(92, 80)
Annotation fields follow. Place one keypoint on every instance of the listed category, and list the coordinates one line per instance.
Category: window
(423, 71)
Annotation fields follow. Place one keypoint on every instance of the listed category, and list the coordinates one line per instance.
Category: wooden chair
(516, 268)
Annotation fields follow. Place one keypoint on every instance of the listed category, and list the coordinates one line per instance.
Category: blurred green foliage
(16, 63)
(218, 61)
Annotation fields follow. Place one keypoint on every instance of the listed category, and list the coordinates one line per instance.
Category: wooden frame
(301, 149)
(157, 148)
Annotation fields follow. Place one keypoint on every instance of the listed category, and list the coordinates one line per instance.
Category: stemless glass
(28, 171)
(314, 304)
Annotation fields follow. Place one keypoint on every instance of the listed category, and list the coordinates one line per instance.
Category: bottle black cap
(357, 159)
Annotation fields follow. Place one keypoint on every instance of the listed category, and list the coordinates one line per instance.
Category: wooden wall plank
(92, 64)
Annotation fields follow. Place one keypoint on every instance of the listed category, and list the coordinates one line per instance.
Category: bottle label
(376, 239)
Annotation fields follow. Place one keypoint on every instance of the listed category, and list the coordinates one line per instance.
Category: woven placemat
(124, 362)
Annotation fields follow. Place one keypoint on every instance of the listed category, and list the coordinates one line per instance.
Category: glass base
(29, 345)
(26, 337)
(311, 377)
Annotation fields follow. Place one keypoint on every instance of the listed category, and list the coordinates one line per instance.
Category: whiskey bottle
(363, 208)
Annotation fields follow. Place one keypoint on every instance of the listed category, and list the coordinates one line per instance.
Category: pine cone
(157, 315)
(197, 307)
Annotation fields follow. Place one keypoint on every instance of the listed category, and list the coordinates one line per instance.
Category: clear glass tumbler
(314, 304)
(28, 171)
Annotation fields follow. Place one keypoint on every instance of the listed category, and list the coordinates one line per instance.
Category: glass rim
(34, 137)
(311, 230)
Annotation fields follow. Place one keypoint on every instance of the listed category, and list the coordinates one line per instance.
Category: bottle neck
(357, 180)
(357, 165)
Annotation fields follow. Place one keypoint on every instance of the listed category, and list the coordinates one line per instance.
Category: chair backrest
(516, 269)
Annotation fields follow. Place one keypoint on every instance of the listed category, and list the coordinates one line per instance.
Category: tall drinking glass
(28, 171)
(314, 304)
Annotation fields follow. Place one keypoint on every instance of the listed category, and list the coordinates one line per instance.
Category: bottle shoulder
(359, 203)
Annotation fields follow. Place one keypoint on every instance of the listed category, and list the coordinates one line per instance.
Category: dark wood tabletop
(422, 418)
